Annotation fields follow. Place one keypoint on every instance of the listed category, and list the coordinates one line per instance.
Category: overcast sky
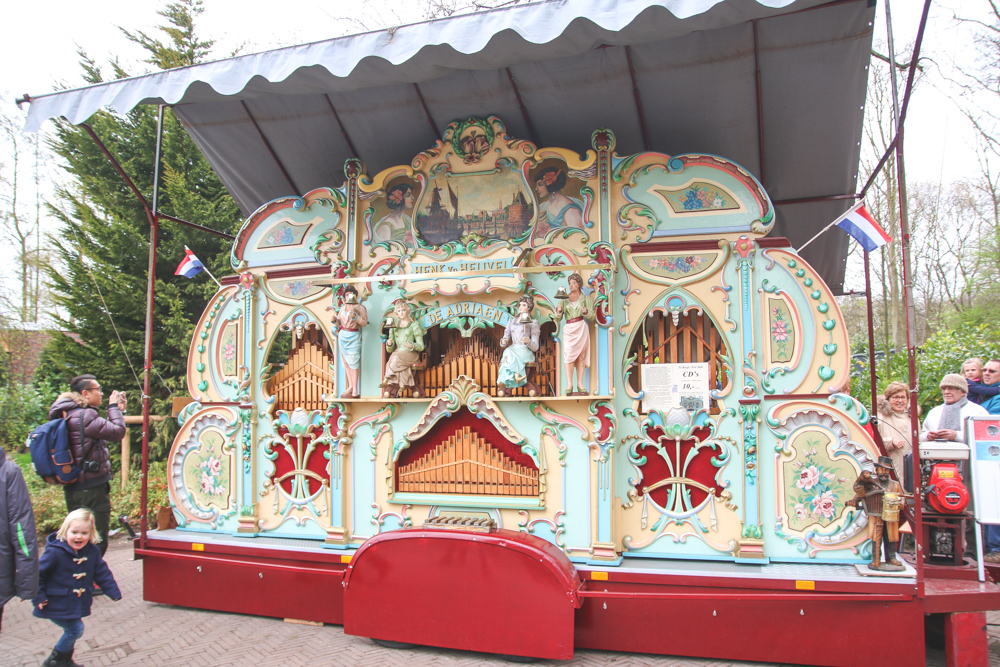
(38, 52)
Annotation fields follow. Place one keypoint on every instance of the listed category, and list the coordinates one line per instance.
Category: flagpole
(211, 276)
(822, 231)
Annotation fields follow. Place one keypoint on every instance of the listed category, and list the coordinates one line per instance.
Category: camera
(90, 466)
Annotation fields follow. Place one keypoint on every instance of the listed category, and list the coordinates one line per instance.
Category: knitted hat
(955, 381)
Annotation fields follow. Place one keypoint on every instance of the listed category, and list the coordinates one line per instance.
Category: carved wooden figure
(881, 497)
(521, 340)
(579, 312)
(405, 342)
(350, 319)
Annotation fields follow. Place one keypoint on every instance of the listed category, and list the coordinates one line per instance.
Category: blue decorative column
(751, 545)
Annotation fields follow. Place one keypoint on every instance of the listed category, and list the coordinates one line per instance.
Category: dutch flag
(860, 224)
(190, 266)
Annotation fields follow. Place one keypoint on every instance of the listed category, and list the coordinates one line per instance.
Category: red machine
(946, 492)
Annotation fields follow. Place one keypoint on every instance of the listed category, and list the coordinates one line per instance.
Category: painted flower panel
(699, 197)
(228, 362)
(283, 234)
(816, 487)
(676, 266)
(782, 332)
(206, 472)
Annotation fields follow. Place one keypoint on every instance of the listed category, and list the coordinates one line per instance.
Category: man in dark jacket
(89, 434)
(18, 544)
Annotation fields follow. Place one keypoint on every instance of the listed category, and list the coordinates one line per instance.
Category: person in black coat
(18, 541)
(67, 571)
(89, 435)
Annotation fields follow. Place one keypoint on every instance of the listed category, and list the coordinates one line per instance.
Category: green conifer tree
(99, 271)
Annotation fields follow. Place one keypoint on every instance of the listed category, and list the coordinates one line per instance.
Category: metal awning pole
(871, 357)
(148, 362)
(904, 227)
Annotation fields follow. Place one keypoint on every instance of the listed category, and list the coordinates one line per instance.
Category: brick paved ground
(134, 632)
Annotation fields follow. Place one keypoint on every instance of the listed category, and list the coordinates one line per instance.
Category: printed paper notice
(667, 385)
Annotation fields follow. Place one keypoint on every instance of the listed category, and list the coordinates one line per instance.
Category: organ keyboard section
(465, 463)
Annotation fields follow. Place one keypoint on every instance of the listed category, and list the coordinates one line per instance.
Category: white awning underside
(694, 64)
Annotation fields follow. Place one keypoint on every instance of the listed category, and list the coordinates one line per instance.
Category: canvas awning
(776, 85)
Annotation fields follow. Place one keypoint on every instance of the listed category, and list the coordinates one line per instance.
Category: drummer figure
(881, 497)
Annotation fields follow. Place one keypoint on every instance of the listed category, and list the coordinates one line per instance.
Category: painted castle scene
(494, 206)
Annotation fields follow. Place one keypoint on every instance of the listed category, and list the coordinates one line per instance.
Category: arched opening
(692, 338)
(301, 369)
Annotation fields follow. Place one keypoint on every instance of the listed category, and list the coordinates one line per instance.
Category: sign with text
(465, 309)
(667, 385)
(465, 274)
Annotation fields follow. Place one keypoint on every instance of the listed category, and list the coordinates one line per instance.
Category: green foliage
(23, 408)
(127, 501)
(944, 352)
(49, 502)
(101, 255)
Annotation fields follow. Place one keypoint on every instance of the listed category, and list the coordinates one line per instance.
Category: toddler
(972, 369)
(66, 575)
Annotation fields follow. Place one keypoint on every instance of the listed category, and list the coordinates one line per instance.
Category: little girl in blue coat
(66, 575)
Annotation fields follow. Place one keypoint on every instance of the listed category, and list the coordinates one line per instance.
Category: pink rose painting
(823, 505)
(808, 478)
(212, 482)
(816, 486)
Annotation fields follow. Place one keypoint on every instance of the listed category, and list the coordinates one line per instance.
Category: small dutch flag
(190, 266)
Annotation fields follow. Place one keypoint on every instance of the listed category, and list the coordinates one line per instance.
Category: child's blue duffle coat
(66, 580)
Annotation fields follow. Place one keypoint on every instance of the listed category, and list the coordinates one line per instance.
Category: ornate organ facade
(710, 419)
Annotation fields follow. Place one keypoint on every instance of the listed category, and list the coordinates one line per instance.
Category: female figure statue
(560, 210)
(579, 312)
(521, 340)
(350, 319)
(405, 341)
(396, 225)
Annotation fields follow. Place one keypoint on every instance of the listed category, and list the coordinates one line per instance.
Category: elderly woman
(894, 424)
(579, 312)
(522, 339)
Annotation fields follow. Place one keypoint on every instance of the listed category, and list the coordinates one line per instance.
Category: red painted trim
(773, 242)
(296, 273)
(270, 563)
(258, 554)
(618, 580)
(783, 397)
(811, 597)
(672, 246)
(230, 280)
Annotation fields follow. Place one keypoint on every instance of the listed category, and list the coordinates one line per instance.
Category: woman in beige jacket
(894, 424)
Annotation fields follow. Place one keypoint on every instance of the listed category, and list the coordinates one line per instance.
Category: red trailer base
(515, 594)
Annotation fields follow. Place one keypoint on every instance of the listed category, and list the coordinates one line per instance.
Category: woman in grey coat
(18, 542)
